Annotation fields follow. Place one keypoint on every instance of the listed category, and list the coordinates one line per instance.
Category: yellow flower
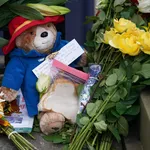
(108, 35)
(145, 42)
(114, 42)
(129, 44)
(122, 24)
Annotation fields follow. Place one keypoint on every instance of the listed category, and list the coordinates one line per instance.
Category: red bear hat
(19, 24)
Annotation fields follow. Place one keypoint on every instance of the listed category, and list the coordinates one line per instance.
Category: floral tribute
(5, 127)
(119, 41)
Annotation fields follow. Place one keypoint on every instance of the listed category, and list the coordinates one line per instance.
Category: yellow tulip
(145, 42)
(122, 24)
(129, 44)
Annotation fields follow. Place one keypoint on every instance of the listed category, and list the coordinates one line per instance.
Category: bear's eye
(31, 33)
(48, 25)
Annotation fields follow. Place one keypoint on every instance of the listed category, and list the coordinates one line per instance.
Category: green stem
(107, 58)
(113, 62)
(95, 138)
(84, 131)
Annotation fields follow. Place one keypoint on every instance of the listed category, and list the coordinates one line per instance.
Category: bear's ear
(18, 41)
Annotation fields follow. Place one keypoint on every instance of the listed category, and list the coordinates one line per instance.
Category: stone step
(145, 119)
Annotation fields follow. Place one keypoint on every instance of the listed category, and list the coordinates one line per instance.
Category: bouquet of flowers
(20, 142)
(119, 42)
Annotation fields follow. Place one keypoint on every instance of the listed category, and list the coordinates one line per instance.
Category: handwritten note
(66, 55)
(69, 52)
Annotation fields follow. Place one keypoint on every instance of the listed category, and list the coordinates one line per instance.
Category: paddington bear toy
(31, 42)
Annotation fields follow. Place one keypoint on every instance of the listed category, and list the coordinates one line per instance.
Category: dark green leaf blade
(123, 126)
(3, 2)
(53, 2)
(55, 138)
(27, 12)
(134, 110)
(5, 16)
(3, 42)
(115, 132)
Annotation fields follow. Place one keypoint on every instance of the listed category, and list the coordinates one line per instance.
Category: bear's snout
(44, 34)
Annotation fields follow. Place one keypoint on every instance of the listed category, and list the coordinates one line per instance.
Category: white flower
(101, 4)
(144, 6)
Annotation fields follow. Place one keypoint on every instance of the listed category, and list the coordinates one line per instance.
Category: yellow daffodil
(109, 35)
(145, 42)
(129, 44)
(122, 24)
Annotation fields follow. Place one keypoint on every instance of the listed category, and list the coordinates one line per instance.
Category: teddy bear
(30, 43)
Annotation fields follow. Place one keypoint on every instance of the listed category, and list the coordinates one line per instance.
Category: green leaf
(91, 108)
(5, 16)
(135, 78)
(90, 147)
(102, 15)
(136, 67)
(111, 80)
(125, 14)
(120, 108)
(120, 73)
(146, 82)
(134, 110)
(115, 113)
(116, 97)
(115, 132)
(123, 92)
(79, 89)
(84, 120)
(138, 20)
(79, 116)
(3, 2)
(110, 105)
(89, 36)
(145, 71)
(97, 93)
(110, 89)
(101, 117)
(118, 2)
(27, 12)
(3, 42)
(96, 25)
(91, 111)
(100, 126)
(123, 126)
(31, 1)
(55, 138)
(53, 2)
(118, 9)
(111, 118)
(66, 147)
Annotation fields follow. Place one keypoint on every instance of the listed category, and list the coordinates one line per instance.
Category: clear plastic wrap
(61, 96)
(84, 97)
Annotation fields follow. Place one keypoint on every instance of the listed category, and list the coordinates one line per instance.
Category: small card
(69, 52)
(43, 68)
(66, 55)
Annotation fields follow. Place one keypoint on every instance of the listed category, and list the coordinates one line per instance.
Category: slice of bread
(62, 98)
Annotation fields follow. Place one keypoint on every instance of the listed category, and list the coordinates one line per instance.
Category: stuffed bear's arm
(13, 78)
(8, 94)
(83, 60)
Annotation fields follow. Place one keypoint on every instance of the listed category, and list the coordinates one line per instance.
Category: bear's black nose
(44, 34)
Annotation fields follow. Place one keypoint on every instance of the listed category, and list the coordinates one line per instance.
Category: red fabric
(17, 21)
(134, 1)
